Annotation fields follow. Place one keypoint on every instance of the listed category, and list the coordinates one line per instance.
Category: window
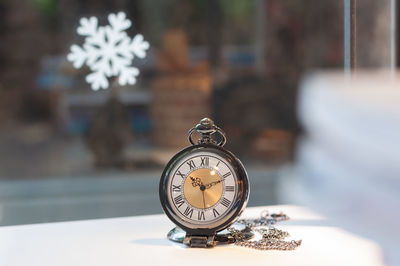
(68, 152)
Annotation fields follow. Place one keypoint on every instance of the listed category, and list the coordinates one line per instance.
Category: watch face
(204, 187)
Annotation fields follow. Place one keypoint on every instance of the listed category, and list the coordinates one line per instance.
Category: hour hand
(212, 184)
(195, 181)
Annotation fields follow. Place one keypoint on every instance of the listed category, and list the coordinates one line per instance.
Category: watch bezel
(237, 207)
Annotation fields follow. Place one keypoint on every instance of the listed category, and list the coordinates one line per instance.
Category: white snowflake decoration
(108, 51)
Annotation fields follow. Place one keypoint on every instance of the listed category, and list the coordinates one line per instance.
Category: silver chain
(271, 237)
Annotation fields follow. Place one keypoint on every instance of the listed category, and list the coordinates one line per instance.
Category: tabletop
(141, 240)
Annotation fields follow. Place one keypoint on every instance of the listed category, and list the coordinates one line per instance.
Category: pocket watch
(204, 188)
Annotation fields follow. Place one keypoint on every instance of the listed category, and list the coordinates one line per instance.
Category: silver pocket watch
(204, 188)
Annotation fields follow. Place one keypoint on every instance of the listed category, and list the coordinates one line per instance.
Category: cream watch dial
(202, 188)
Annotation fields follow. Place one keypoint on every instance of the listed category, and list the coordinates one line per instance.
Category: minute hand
(212, 184)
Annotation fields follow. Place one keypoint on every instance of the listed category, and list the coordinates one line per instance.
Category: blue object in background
(78, 124)
(140, 121)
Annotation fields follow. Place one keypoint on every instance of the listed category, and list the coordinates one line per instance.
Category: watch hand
(196, 181)
(212, 184)
(204, 201)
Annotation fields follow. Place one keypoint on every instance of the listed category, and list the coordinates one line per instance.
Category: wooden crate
(178, 102)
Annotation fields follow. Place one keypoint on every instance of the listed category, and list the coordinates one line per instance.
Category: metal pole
(350, 35)
(261, 21)
(393, 34)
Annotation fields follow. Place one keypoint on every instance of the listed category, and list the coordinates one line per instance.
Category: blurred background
(70, 153)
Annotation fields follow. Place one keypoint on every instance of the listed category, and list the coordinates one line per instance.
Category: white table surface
(141, 240)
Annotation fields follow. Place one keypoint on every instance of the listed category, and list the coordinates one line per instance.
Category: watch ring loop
(206, 138)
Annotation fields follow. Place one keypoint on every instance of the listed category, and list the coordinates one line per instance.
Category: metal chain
(271, 237)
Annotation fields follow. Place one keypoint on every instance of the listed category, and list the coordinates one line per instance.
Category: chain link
(271, 237)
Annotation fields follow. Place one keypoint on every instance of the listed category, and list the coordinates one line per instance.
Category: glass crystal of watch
(204, 188)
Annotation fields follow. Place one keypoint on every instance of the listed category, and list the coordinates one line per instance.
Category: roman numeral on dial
(179, 201)
(215, 212)
(205, 161)
(225, 202)
(188, 212)
(179, 173)
(226, 175)
(176, 188)
(229, 188)
(191, 164)
(201, 216)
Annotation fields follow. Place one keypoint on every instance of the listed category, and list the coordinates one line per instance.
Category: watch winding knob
(206, 128)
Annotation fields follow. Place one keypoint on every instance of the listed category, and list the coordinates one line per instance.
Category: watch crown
(206, 121)
(206, 128)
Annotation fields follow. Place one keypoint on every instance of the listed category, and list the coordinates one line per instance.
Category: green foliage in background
(239, 9)
(47, 7)
(238, 19)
